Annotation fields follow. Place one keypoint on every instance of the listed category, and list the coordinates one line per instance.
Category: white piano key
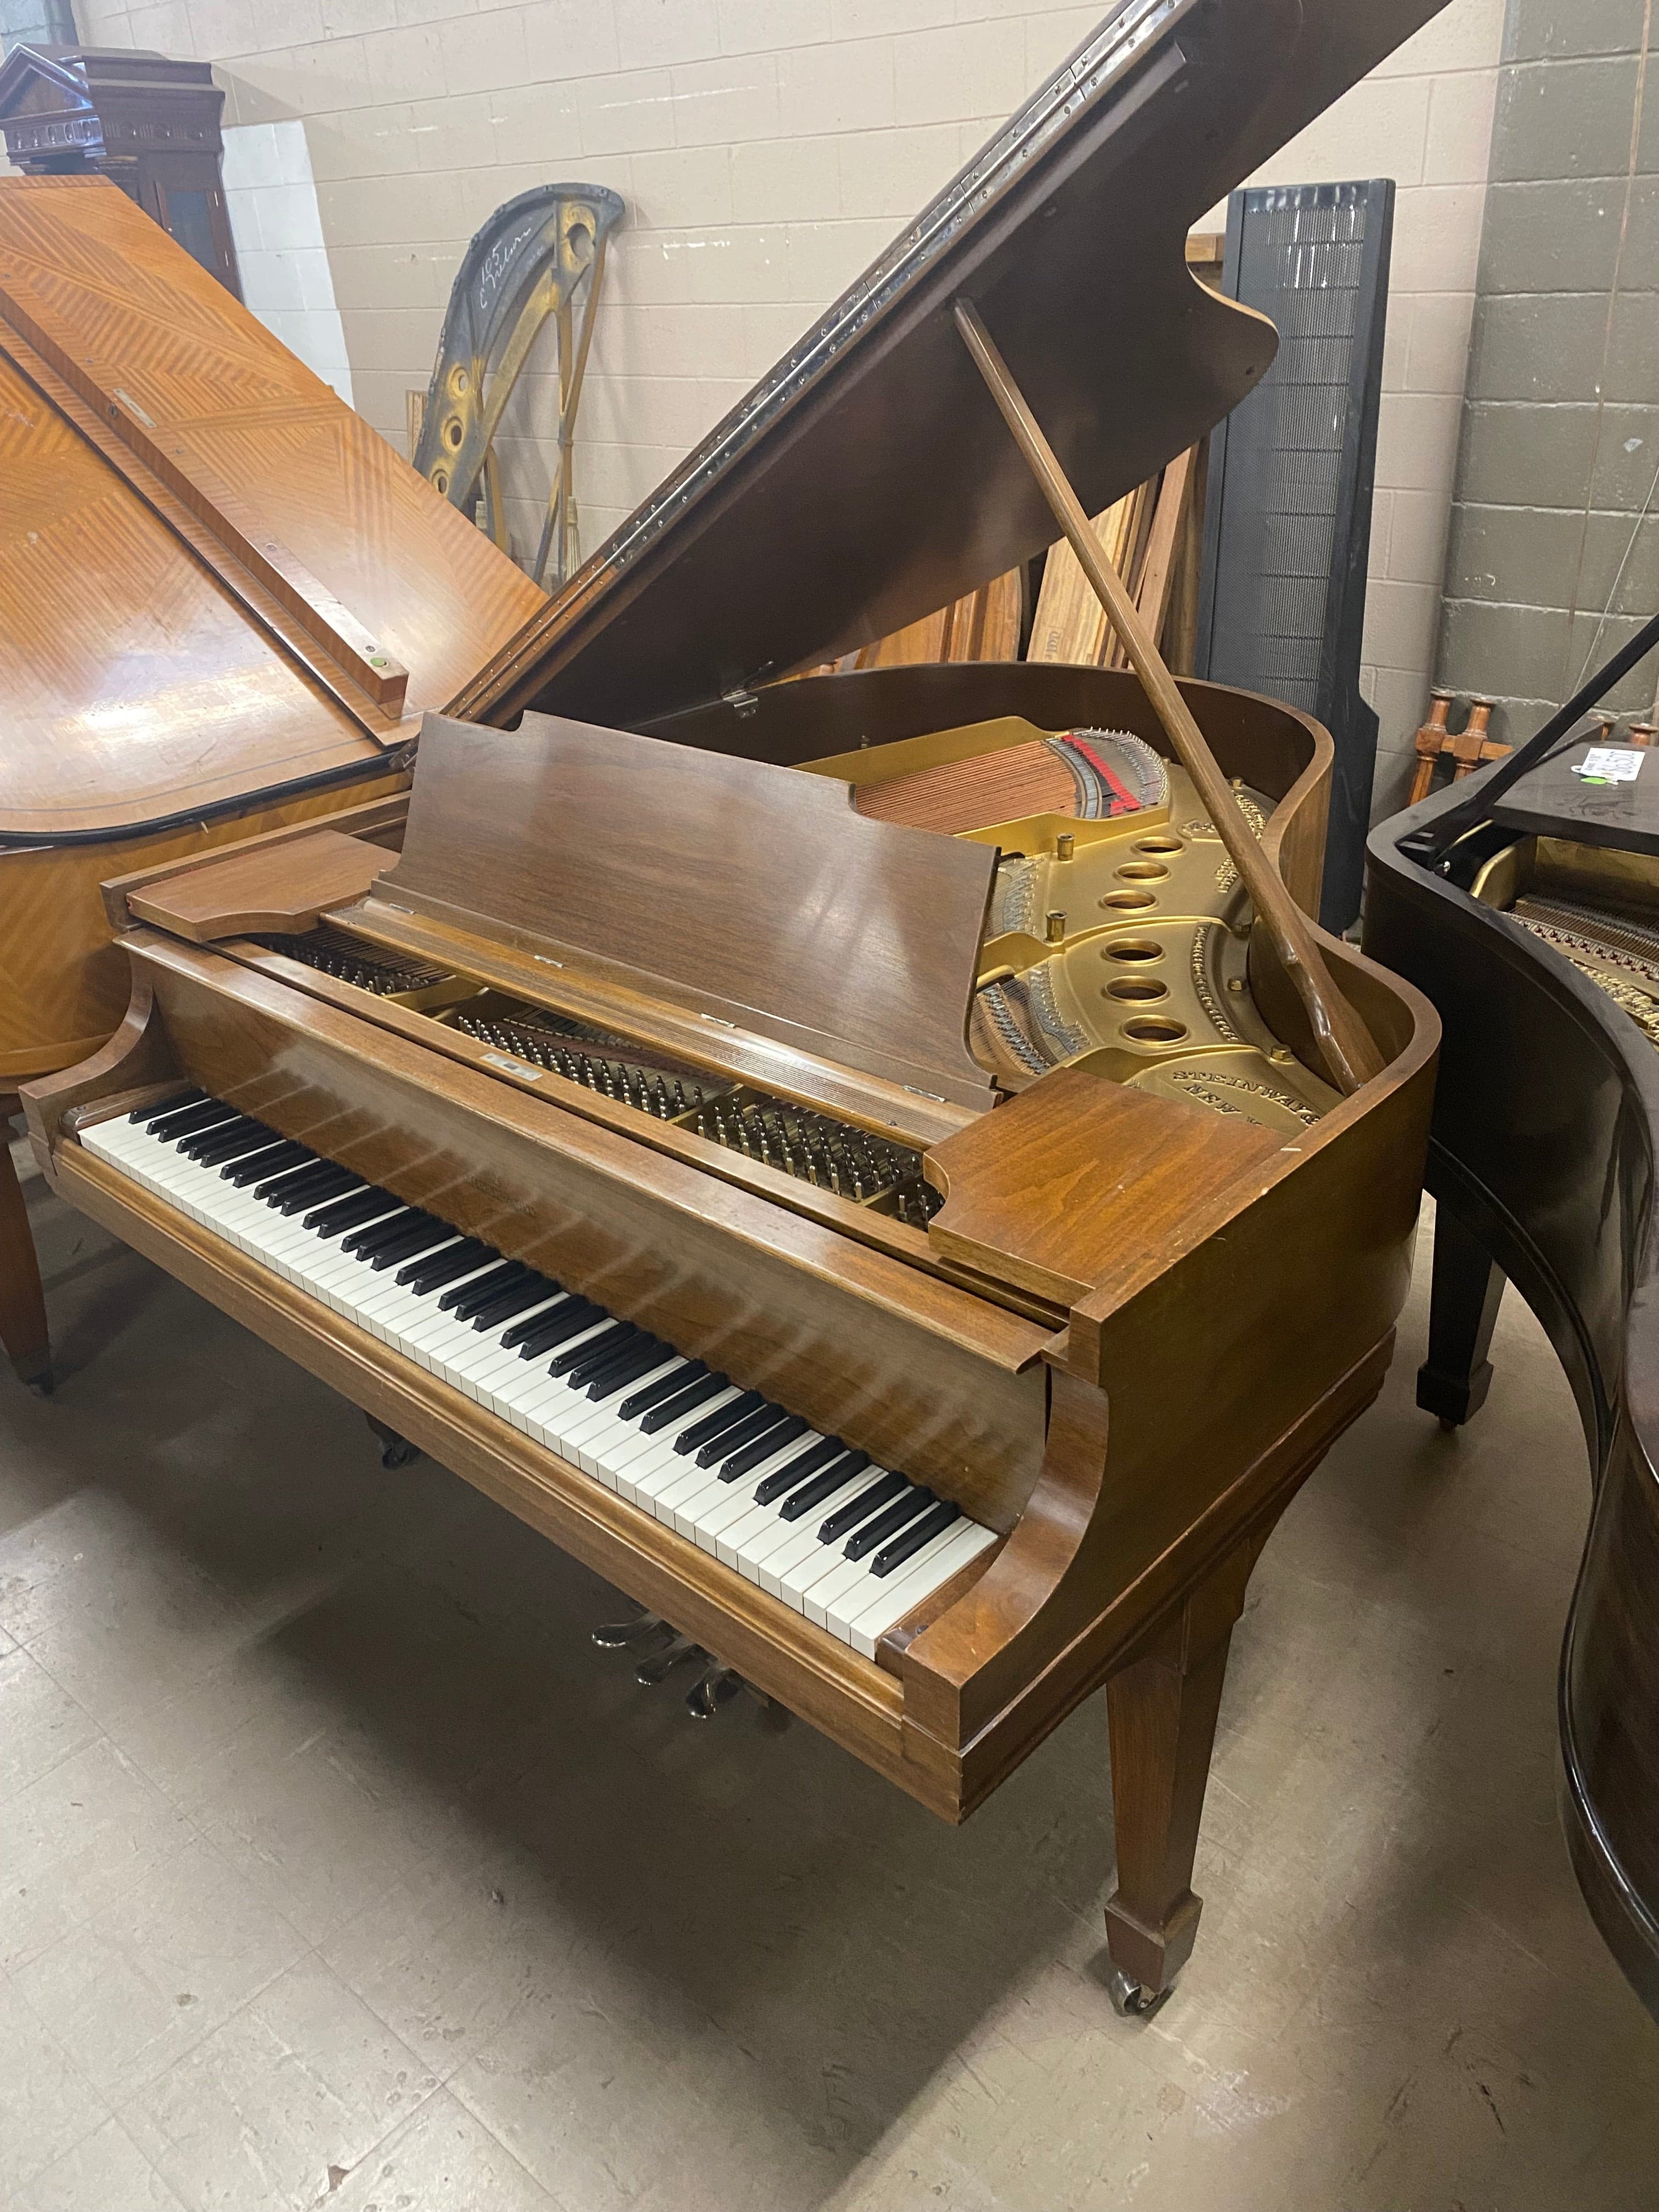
(788, 1559)
(911, 1584)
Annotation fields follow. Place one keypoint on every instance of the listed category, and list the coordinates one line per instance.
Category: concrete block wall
(271, 196)
(1425, 118)
(1552, 565)
(768, 150)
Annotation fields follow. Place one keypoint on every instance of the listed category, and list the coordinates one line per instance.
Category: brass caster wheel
(1131, 1999)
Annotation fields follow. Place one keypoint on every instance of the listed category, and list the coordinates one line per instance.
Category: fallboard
(918, 1372)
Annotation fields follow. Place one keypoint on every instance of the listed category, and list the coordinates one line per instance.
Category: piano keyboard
(852, 1547)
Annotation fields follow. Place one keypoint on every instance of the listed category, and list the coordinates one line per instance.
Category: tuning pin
(679, 1098)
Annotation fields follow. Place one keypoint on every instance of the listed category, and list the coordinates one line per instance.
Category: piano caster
(1132, 2000)
(395, 1450)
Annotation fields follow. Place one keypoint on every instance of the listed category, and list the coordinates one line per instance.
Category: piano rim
(1627, 1924)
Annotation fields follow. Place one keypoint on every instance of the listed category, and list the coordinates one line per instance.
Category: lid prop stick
(1345, 1045)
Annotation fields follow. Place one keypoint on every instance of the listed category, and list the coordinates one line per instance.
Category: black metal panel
(1288, 521)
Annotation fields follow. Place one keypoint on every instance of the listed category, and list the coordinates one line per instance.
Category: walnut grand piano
(844, 1157)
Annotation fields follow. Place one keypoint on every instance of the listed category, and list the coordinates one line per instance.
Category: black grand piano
(1525, 903)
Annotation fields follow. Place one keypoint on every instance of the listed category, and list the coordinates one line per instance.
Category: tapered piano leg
(22, 1306)
(1467, 1286)
(1162, 1711)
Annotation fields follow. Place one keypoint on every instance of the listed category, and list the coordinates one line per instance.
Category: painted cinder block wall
(1554, 552)
(768, 149)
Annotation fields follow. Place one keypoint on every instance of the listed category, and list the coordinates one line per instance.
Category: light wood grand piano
(224, 604)
(844, 1157)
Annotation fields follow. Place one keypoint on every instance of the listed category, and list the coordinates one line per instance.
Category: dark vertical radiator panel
(1287, 523)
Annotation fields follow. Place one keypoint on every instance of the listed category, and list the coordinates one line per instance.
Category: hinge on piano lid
(741, 702)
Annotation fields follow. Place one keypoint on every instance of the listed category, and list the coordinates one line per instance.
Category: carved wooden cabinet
(147, 122)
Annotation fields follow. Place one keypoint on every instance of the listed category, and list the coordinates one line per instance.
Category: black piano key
(666, 1386)
(433, 1269)
(178, 1104)
(169, 1123)
(431, 1237)
(804, 1464)
(571, 1363)
(563, 1321)
(370, 1237)
(308, 1178)
(715, 1423)
(621, 1372)
(801, 1502)
(258, 1165)
(341, 1213)
(861, 1507)
(874, 1533)
(534, 1290)
(918, 1534)
(746, 1461)
(465, 1298)
(396, 1237)
(225, 1140)
(342, 1184)
(684, 1401)
(521, 1331)
(758, 1424)
(319, 1173)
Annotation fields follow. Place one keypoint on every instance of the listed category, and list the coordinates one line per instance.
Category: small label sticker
(1610, 764)
(512, 1067)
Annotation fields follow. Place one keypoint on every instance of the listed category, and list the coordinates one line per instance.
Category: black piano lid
(868, 479)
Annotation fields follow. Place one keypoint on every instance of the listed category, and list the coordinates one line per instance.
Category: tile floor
(337, 1866)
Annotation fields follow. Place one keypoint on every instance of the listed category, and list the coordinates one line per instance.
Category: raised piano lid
(868, 478)
(743, 895)
(216, 582)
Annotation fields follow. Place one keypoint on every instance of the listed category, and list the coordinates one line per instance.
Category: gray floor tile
(46, 2107)
(156, 1972)
(304, 2082)
(40, 1724)
(106, 2173)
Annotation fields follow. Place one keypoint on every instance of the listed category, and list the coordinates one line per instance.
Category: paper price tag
(1611, 764)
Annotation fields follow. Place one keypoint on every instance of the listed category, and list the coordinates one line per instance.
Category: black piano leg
(22, 1307)
(1162, 1709)
(1453, 1381)
(395, 1450)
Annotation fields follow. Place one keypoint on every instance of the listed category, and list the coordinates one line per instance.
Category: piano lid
(868, 478)
(216, 582)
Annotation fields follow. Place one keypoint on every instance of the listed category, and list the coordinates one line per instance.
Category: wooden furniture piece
(1530, 914)
(224, 602)
(654, 1024)
(148, 123)
(1468, 748)
(541, 255)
